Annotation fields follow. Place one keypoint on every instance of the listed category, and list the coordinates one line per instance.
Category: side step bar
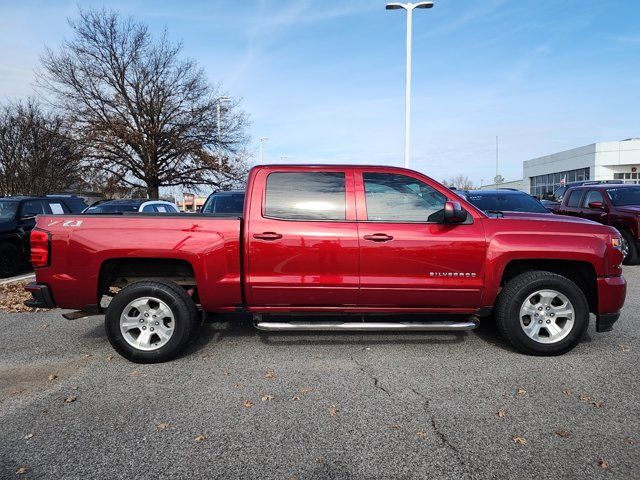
(436, 326)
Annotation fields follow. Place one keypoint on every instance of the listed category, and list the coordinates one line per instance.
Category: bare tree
(145, 116)
(460, 182)
(36, 154)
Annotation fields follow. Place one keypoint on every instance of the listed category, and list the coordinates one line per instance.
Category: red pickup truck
(348, 240)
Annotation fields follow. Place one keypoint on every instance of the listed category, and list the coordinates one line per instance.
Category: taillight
(40, 243)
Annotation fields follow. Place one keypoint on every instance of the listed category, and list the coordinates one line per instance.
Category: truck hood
(544, 217)
(633, 209)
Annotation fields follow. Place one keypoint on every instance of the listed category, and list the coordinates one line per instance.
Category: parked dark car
(17, 219)
(615, 205)
(503, 200)
(144, 205)
(554, 200)
(229, 202)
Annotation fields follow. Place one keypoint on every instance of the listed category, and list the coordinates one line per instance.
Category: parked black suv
(17, 219)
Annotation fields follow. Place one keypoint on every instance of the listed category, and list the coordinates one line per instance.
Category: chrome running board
(435, 326)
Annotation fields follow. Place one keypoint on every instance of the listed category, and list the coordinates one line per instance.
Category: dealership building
(598, 161)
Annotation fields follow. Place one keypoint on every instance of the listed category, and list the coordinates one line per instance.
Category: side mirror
(453, 213)
(596, 205)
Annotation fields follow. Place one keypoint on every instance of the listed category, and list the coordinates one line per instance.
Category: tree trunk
(153, 192)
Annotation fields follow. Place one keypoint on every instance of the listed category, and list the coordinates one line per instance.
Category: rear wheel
(542, 313)
(628, 247)
(151, 321)
(10, 261)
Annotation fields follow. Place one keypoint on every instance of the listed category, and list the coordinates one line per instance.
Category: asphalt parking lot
(244, 404)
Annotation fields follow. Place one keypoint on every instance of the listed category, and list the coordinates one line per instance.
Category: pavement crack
(441, 435)
(376, 381)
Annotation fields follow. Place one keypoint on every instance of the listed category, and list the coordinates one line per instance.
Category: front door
(302, 239)
(596, 214)
(408, 256)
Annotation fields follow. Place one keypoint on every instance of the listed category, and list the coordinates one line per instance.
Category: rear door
(572, 203)
(301, 239)
(408, 256)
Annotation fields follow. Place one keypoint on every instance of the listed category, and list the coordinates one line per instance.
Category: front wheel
(542, 313)
(150, 321)
(628, 247)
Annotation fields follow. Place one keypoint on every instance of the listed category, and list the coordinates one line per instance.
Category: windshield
(112, 208)
(230, 203)
(8, 209)
(624, 195)
(507, 202)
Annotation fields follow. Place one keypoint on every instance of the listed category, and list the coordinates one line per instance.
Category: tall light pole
(219, 100)
(262, 140)
(407, 101)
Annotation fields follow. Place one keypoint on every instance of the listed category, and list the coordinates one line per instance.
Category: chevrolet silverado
(362, 242)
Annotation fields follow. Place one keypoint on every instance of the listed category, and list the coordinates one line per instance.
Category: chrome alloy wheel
(147, 323)
(547, 316)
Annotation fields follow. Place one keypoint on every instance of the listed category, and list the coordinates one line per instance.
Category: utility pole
(219, 100)
(262, 140)
(407, 99)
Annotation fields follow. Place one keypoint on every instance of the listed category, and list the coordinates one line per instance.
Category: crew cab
(617, 205)
(363, 242)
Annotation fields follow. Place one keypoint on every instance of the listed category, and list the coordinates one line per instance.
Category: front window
(624, 196)
(113, 208)
(8, 209)
(507, 202)
(306, 196)
(393, 197)
(229, 203)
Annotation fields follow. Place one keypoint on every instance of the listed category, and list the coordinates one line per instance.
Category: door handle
(378, 237)
(267, 236)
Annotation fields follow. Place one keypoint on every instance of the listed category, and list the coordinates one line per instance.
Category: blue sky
(325, 80)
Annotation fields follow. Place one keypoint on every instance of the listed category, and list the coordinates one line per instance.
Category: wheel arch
(583, 274)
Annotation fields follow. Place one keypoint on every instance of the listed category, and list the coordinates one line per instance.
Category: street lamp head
(423, 5)
(262, 139)
(395, 6)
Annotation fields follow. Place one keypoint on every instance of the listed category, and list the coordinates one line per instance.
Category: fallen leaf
(52, 377)
(267, 398)
(226, 373)
(248, 404)
(501, 413)
(45, 411)
(521, 391)
(319, 460)
(585, 398)
(200, 438)
(597, 404)
(629, 441)
(270, 374)
(333, 411)
(28, 436)
(22, 470)
(422, 434)
(162, 426)
(237, 385)
(87, 355)
(603, 464)
(567, 391)
(45, 325)
(295, 398)
(70, 399)
(395, 426)
(17, 392)
(137, 373)
(519, 440)
(563, 433)
(109, 358)
(305, 390)
(625, 348)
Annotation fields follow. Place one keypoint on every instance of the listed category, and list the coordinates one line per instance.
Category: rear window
(574, 198)
(507, 202)
(306, 196)
(112, 208)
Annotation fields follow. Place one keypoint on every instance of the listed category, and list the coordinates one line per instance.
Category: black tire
(10, 261)
(185, 315)
(632, 256)
(516, 292)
